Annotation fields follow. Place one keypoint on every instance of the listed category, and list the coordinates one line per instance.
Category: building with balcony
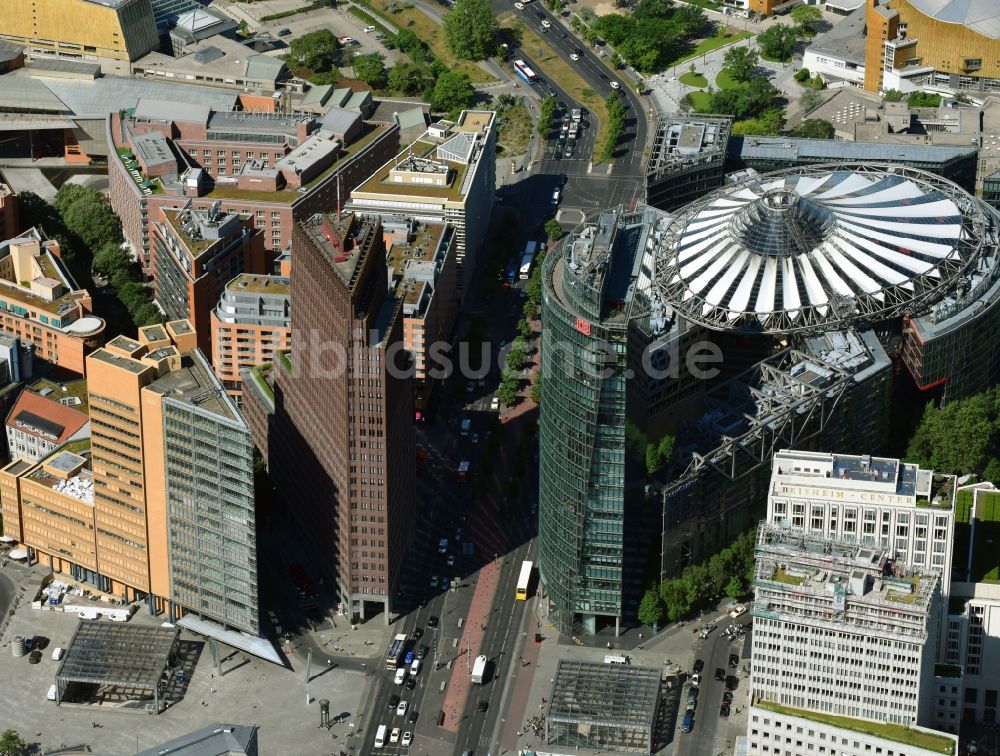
(251, 326)
(158, 505)
(422, 273)
(271, 167)
(845, 637)
(38, 424)
(333, 419)
(940, 44)
(195, 254)
(41, 304)
(896, 506)
(447, 176)
(109, 32)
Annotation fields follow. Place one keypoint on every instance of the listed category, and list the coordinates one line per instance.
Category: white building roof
(808, 248)
(982, 16)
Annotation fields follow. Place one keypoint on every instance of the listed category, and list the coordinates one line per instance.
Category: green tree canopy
(741, 62)
(553, 229)
(806, 17)
(507, 391)
(86, 213)
(407, 78)
(814, 128)
(651, 608)
(316, 50)
(408, 42)
(746, 101)
(471, 29)
(778, 41)
(734, 588)
(452, 92)
(810, 100)
(12, 744)
(654, 34)
(370, 68)
(768, 123)
(110, 259)
(960, 437)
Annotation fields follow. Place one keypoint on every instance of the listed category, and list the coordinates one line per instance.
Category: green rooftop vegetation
(782, 576)
(79, 446)
(900, 594)
(57, 391)
(899, 733)
(257, 373)
(986, 538)
(963, 506)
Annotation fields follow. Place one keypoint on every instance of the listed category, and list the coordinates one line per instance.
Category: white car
(401, 709)
(519, 6)
(407, 739)
(737, 611)
(546, 24)
(574, 56)
(695, 680)
(495, 404)
(451, 560)
(614, 85)
(394, 735)
(369, 29)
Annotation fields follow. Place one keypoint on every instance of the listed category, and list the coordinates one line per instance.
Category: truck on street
(479, 670)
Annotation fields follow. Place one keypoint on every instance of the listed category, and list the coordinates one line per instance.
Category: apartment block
(195, 253)
(108, 32)
(272, 168)
(38, 424)
(41, 304)
(251, 325)
(333, 417)
(117, 511)
(874, 501)
(447, 176)
(422, 273)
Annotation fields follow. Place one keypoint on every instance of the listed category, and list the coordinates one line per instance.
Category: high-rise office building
(844, 642)
(167, 480)
(334, 420)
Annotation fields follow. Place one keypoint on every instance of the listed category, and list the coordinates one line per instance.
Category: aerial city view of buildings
(480, 377)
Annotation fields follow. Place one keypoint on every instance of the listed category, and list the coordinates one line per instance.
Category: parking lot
(249, 691)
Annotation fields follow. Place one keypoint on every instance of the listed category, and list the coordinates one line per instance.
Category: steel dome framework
(820, 247)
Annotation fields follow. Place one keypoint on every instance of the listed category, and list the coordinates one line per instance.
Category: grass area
(694, 79)
(701, 102)
(900, 594)
(725, 81)
(775, 60)
(899, 733)
(432, 33)
(559, 70)
(712, 43)
(515, 131)
(257, 373)
(986, 539)
(781, 576)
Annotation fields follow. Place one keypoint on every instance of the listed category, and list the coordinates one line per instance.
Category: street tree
(651, 608)
(734, 588)
(810, 100)
(370, 68)
(471, 29)
(12, 744)
(316, 50)
(408, 42)
(110, 259)
(452, 92)
(554, 230)
(536, 389)
(814, 128)
(507, 390)
(407, 78)
(741, 62)
(778, 41)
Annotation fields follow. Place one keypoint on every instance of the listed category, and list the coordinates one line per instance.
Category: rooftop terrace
(259, 284)
(195, 384)
(72, 394)
(918, 738)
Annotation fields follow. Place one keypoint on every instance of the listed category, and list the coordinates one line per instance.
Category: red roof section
(49, 409)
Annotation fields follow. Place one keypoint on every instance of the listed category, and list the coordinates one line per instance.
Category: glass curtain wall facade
(210, 514)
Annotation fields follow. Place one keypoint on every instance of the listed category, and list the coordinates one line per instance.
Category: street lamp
(364, 669)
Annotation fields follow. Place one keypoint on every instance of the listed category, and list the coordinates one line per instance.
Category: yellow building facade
(910, 47)
(110, 32)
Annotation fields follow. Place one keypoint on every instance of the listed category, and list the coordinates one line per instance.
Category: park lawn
(712, 43)
(694, 79)
(774, 60)
(557, 69)
(701, 101)
(725, 81)
(431, 32)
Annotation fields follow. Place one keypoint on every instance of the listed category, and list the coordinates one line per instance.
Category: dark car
(562, 106)
(732, 683)
(699, 665)
(34, 657)
(483, 706)
(412, 719)
(727, 698)
(418, 633)
(578, 51)
(734, 660)
(432, 622)
(720, 674)
(724, 710)
(284, 32)
(410, 683)
(605, 77)
(393, 701)
(422, 652)
(540, 15)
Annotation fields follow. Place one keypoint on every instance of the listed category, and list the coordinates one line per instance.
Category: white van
(380, 736)
(51, 695)
(612, 659)
(415, 667)
(400, 676)
(57, 653)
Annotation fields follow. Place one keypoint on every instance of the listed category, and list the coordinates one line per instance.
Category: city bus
(528, 260)
(395, 651)
(522, 70)
(523, 580)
